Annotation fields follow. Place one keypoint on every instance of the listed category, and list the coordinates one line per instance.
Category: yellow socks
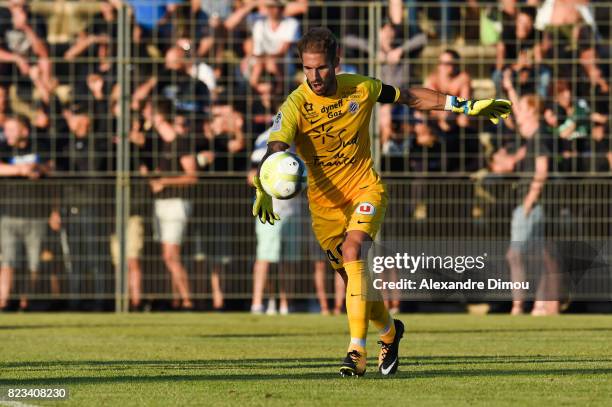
(357, 308)
(382, 321)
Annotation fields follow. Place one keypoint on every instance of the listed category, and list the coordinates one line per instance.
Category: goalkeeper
(328, 117)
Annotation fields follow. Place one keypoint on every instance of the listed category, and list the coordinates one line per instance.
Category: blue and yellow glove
(263, 208)
(493, 109)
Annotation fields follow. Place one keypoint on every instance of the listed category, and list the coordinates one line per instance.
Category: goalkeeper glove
(493, 109)
(262, 207)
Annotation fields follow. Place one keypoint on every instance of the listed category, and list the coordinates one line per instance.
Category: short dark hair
(319, 40)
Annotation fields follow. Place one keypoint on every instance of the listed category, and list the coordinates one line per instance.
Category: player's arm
(263, 207)
(283, 131)
(428, 99)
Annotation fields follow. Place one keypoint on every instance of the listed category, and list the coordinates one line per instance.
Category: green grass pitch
(239, 359)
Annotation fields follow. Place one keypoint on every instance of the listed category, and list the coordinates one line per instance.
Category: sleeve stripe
(397, 94)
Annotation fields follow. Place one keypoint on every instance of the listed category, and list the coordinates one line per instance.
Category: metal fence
(444, 192)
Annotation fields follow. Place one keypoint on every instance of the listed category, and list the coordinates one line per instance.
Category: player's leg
(367, 215)
(328, 225)
(340, 292)
(357, 305)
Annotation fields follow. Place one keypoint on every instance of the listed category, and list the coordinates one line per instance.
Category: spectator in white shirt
(272, 39)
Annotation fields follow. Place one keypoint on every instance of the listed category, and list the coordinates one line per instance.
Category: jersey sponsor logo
(323, 134)
(337, 160)
(277, 122)
(353, 107)
(333, 110)
(365, 208)
(343, 144)
(352, 93)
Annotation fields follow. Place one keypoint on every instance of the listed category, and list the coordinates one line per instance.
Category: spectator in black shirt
(94, 46)
(188, 95)
(81, 157)
(173, 172)
(224, 137)
(26, 210)
(528, 218)
(520, 50)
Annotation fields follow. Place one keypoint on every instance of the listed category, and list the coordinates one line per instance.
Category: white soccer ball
(282, 175)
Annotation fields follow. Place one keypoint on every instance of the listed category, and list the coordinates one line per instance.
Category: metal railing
(221, 233)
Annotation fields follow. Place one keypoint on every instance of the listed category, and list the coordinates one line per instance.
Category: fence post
(122, 185)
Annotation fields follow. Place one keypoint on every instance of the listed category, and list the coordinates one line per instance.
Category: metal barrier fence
(119, 77)
(76, 261)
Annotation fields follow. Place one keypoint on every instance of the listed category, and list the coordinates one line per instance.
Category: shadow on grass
(301, 369)
(297, 334)
(404, 374)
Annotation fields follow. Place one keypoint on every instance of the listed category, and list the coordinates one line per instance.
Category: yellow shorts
(366, 213)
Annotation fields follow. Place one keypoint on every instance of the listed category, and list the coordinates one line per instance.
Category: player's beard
(324, 86)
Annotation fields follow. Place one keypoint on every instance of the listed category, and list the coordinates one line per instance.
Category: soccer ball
(282, 175)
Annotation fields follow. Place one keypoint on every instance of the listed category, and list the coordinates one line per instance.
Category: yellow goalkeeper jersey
(331, 134)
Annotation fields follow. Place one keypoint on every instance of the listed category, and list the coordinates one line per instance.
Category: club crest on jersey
(277, 122)
(308, 107)
(353, 107)
(365, 208)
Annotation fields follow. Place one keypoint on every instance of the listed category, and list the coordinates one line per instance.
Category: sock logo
(365, 208)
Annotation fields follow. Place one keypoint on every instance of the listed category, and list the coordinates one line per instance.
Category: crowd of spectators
(207, 77)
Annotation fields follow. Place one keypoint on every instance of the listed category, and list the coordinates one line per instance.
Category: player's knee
(351, 251)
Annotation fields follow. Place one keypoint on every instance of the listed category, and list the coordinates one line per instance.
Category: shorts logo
(365, 208)
(277, 122)
(353, 107)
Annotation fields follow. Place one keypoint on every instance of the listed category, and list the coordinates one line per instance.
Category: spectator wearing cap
(25, 212)
(272, 39)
